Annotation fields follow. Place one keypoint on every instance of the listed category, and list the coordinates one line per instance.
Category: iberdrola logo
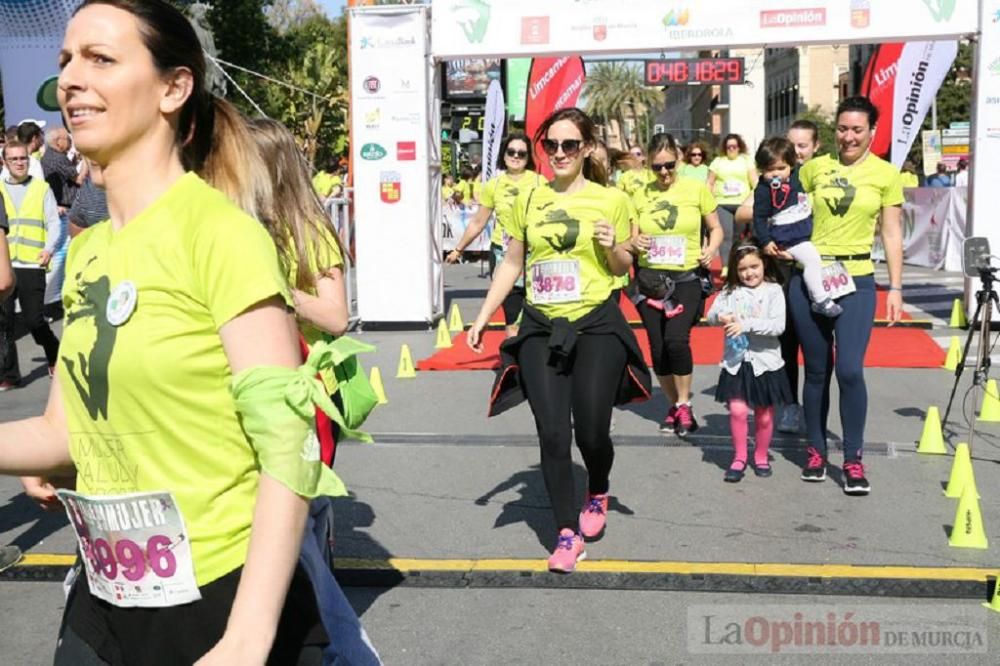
(473, 16)
(941, 10)
(676, 17)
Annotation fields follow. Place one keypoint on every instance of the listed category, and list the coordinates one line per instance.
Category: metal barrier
(341, 216)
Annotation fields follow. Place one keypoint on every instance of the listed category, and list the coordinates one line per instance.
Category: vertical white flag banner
(493, 129)
(31, 34)
(920, 73)
(391, 152)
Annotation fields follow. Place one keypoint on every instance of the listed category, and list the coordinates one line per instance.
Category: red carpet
(889, 348)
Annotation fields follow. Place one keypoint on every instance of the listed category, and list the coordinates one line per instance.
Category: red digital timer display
(695, 70)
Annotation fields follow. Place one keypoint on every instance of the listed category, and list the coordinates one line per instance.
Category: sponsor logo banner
(372, 151)
(406, 151)
(793, 18)
(371, 84)
(554, 83)
(390, 187)
(535, 30)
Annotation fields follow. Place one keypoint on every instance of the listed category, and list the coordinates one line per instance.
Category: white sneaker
(790, 420)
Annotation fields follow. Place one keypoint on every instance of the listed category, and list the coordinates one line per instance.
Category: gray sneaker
(9, 556)
(790, 420)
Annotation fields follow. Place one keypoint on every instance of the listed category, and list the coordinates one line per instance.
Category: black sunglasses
(696, 155)
(669, 166)
(570, 147)
(521, 154)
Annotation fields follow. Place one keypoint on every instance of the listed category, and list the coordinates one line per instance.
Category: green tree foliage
(614, 90)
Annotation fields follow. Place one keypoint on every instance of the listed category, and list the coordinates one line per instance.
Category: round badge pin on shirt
(121, 303)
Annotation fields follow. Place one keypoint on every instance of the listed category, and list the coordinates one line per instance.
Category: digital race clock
(710, 71)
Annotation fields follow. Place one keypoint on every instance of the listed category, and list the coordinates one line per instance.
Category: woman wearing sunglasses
(575, 356)
(499, 195)
(731, 178)
(637, 175)
(668, 236)
(695, 162)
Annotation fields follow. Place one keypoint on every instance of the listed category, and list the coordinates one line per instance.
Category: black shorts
(182, 634)
(512, 305)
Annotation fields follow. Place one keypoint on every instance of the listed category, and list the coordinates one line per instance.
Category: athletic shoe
(735, 472)
(594, 516)
(827, 308)
(685, 421)
(9, 556)
(815, 469)
(855, 482)
(670, 420)
(569, 550)
(790, 421)
(7, 386)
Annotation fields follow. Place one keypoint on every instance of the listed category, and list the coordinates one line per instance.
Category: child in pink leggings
(752, 310)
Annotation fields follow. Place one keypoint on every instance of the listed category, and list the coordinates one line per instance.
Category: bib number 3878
(556, 281)
(837, 282)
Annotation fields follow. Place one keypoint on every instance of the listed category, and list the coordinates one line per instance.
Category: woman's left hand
(707, 254)
(604, 234)
(894, 306)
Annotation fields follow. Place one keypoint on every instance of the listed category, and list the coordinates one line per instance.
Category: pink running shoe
(685, 420)
(670, 420)
(594, 516)
(569, 550)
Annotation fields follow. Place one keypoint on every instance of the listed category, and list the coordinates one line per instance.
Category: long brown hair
(592, 168)
(291, 211)
(742, 249)
(210, 132)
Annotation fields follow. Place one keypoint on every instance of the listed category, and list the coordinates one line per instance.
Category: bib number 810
(835, 282)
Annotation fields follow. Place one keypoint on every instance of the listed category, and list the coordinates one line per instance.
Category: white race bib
(136, 551)
(837, 282)
(732, 188)
(667, 250)
(555, 281)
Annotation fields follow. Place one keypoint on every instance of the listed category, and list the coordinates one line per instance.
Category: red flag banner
(879, 86)
(553, 84)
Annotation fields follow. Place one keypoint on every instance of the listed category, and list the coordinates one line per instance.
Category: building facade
(803, 78)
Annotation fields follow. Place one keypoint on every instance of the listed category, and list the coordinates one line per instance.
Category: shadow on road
(20, 511)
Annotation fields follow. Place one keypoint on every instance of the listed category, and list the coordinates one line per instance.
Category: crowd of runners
(203, 378)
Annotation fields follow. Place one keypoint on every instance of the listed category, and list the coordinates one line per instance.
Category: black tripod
(986, 298)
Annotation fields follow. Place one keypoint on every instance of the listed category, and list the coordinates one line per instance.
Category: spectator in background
(61, 173)
(940, 177)
(962, 177)
(695, 162)
(30, 134)
(908, 172)
(91, 203)
(36, 234)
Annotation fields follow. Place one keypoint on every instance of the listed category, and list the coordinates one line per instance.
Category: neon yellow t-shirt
(674, 213)
(323, 255)
(635, 179)
(148, 402)
(909, 179)
(732, 179)
(560, 228)
(446, 192)
(500, 193)
(323, 183)
(846, 203)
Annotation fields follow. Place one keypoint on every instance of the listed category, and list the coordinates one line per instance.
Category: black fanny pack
(656, 284)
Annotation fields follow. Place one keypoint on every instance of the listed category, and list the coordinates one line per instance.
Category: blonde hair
(234, 166)
(289, 207)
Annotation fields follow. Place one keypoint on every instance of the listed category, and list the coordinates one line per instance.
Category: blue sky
(332, 7)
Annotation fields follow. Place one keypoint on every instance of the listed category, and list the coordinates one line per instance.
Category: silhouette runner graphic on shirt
(668, 221)
(839, 203)
(565, 241)
(90, 372)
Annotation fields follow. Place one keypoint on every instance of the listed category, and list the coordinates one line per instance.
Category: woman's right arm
(476, 226)
(503, 281)
(40, 445)
(710, 183)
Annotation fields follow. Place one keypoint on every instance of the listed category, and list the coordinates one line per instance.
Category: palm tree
(610, 87)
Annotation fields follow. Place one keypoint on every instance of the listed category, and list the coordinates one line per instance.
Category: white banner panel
(494, 28)
(31, 34)
(933, 228)
(390, 89)
(455, 219)
(984, 166)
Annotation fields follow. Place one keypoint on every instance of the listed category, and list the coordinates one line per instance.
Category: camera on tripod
(976, 257)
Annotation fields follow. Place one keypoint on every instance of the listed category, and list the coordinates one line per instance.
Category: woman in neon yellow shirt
(851, 191)
(498, 195)
(177, 334)
(667, 233)
(731, 178)
(575, 355)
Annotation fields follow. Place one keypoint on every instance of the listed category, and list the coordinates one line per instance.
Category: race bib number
(667, 250)
(732, 188)
(136, 551)
(837, 282)
(556, 281)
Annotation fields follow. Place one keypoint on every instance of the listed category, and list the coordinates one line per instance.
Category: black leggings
(670, 339)
(790, 338)
(588, 390)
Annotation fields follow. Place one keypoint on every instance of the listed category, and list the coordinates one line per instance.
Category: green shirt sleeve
(518, 216)
(621, 217)
(706, 202)
(488, 196)
(892, 193)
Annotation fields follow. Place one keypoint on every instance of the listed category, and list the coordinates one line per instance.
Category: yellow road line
(408, 565)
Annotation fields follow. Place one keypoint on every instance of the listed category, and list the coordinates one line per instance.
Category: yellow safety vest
(27, 225)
